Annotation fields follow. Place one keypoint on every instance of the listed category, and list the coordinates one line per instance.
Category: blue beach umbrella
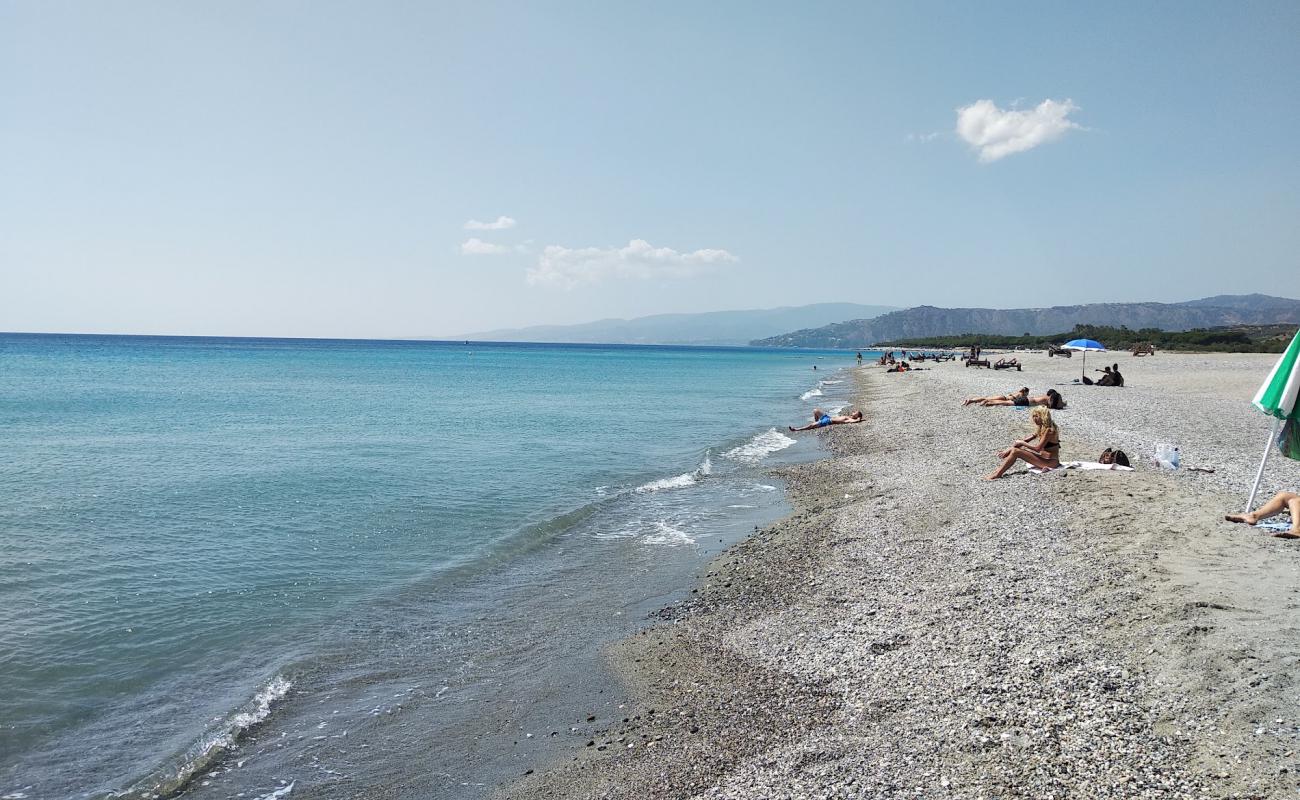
(1083, 346)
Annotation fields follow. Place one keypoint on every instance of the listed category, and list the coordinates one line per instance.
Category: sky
(395, 169)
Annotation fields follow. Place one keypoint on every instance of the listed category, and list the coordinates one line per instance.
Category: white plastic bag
(1167, 456)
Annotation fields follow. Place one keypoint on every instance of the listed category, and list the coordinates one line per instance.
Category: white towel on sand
(1083, 465)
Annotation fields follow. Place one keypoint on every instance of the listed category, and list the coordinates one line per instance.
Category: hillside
(709, 328)
(915, 324)
(1228, 339)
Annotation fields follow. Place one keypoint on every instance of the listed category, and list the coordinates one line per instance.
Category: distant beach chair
(1008, 363)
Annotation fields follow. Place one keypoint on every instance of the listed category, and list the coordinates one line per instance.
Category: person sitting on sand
(821, 419)
(1282, 501)
(1020, 397)
(1042, 450)
(1110, 377)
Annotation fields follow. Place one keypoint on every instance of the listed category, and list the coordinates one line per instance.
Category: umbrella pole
(1268, 448)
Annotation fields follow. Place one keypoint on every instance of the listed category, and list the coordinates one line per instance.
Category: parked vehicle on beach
(1057, 350)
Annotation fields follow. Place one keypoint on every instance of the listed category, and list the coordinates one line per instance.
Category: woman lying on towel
(1282, 501)
(821, 420)
(1052, 399)
(1042, 450)
(1020, 397)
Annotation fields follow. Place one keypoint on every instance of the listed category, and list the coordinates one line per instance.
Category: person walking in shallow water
(1282, 501)
(1042, 450)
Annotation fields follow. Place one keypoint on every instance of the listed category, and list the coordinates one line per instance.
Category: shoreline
(909, 630)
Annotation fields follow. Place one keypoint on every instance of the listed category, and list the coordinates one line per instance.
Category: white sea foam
(810, 394)
(831, 383)
(679, 481)
(833, 410)
(760, 447)
(204, 753)
(283, 791)
(665, 534)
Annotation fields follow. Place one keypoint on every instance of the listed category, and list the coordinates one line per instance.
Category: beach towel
(1082, 465)
(1274, 525)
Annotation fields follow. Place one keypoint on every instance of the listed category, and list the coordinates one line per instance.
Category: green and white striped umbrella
(1278, 394)
(1277, 398)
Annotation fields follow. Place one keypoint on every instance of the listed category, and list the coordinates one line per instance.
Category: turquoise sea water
(257, 563)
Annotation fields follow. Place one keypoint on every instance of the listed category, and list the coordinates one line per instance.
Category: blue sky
(309, 169)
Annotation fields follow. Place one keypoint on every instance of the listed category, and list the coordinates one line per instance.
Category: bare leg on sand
(1031, 458)
(1282, 501)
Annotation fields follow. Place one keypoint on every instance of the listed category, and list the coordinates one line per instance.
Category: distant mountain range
(923, 321)
(710, 328)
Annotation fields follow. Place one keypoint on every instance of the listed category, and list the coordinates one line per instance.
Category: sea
(280, 568)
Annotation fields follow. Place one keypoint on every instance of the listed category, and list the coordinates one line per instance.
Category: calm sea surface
(273, 568)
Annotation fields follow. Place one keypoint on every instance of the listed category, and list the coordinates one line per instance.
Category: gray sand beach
(914, 631)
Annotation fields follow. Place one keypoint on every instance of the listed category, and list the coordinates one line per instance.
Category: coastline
(913, 630)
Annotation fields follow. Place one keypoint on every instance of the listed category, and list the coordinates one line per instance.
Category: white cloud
(568, 267)
(501, 224)
(478, 247)
(996, 133)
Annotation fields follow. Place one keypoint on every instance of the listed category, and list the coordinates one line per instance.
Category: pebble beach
(915, 631)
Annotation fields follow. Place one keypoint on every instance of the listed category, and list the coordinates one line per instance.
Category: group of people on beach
(1042, 449)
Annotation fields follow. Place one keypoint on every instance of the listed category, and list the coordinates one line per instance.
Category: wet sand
(913, 631)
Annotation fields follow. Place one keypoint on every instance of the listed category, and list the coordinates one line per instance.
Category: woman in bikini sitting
(821, 419)
(1042, 450)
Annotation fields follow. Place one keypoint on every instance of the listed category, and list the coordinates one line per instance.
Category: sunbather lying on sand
(821, 419)
(1052, 399)
(1282, 501)
(1020, 397)
(1042, 450)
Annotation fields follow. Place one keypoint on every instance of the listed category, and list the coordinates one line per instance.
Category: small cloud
(501, 224)
(478, 247)
(996, 133)
(923, 137)
(569, 267)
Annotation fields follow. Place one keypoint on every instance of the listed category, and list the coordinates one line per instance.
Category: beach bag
(1113, 456)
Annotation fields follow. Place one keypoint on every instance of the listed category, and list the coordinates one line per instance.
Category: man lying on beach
(821, 419)
(1282, 501)
(1042, 450)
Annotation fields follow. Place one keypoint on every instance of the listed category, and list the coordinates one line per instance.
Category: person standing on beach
(1042, 450)
(859, 358)
(1282, 501)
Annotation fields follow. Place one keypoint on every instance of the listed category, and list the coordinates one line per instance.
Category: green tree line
(1235, 339)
